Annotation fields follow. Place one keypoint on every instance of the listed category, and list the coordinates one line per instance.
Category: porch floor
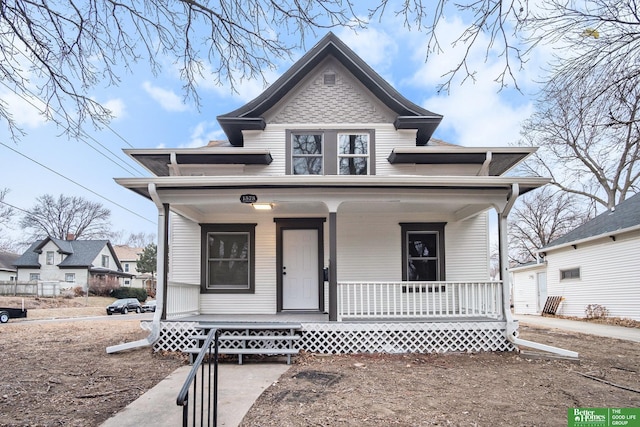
(299, 317)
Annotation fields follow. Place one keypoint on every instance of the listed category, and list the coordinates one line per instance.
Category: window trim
(330, 148)
(205, 229)
(50, 257)
(70, 275)
(437, 227)
(569, 274)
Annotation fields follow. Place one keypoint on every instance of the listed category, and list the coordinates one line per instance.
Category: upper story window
(307, 154)
(105, 261)
(353, 154)
(330, 152)
(126, 267)
(50, 255)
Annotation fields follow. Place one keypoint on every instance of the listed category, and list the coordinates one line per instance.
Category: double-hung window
(353, 153)
(50, 255)
(307, 154)
(228, 258)
(423, 252)
(330, 152)
(70, 277)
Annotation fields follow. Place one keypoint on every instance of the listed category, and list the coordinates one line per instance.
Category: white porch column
(333, 259)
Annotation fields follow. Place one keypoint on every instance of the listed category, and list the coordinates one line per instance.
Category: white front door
(300, 270)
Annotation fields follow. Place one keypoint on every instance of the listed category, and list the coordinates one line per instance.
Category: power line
(84, 133)
(76, 183)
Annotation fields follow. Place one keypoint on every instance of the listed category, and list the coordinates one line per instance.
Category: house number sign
(248, 198)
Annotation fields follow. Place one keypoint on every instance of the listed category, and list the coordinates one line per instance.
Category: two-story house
(331, 204)
(57, 264)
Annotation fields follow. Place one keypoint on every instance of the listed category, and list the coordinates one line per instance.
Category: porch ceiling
(452, 198)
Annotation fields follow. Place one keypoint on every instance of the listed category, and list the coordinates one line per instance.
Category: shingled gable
(409, 115)
(80, 253)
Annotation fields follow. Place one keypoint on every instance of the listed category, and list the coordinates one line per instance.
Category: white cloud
(375, 46)
(116, 107)
(244, 90)
(477, 112)
(202, 133)
(27, 111)
(167, 99)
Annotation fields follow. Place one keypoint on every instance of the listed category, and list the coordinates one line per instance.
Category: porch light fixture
(262, 206)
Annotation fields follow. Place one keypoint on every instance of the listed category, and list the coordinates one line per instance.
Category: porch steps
(265, 338)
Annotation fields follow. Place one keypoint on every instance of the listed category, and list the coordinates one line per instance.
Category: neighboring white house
(58, 264)
(8, 271)
(331, 202)
(597, 263)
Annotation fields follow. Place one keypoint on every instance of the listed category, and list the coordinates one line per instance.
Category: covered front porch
(391, 317)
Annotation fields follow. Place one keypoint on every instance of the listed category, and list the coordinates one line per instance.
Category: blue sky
(150, 113)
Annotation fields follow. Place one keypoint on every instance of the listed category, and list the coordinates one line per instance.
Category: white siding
(369, 247)
(525, 289)
(467, 249)
(185, 266)
(609, 276)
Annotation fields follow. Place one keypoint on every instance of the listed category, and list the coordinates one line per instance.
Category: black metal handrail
(211, 402)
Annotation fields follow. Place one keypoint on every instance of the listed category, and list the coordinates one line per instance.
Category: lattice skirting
(335, 337)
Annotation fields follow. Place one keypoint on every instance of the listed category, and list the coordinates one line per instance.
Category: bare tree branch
(66, 215)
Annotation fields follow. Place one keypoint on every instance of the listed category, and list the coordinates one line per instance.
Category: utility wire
(76, 183)
(131, 170)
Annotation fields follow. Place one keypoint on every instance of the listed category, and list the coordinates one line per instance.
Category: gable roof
(626, 215)
(127, 253)
(409, 115)
(6, 261)
(80, 253)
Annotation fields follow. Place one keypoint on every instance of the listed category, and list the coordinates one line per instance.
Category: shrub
(596, 311)
(78, 291)
(102, 287)
(126, 292)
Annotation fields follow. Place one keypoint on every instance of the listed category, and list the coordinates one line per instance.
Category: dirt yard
(58, 374)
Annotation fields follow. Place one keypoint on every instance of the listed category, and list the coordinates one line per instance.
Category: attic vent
(329, 79)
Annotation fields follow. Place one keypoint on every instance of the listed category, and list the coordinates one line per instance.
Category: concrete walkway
(619, 332)
(238, 388)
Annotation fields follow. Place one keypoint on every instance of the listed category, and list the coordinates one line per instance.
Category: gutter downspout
(512, 327)
(155, 325)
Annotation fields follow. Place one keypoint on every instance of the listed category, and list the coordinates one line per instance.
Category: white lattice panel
(337, 337)
(404, 337)
(174, 336)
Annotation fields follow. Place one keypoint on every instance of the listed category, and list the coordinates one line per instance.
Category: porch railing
(182, 299)
(397, 300)
(204, 403)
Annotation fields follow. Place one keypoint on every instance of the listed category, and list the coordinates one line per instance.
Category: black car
(149, 306)
(124, 306)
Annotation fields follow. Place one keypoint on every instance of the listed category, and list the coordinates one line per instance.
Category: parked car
(124, 306)
(149, 306)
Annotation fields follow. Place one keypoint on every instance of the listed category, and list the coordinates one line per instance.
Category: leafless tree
(590, 139)
(6, 215)
(64, 216)
(134, 240)
(6, 211)
(539, 218)
(597, 39)
(53, 53)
